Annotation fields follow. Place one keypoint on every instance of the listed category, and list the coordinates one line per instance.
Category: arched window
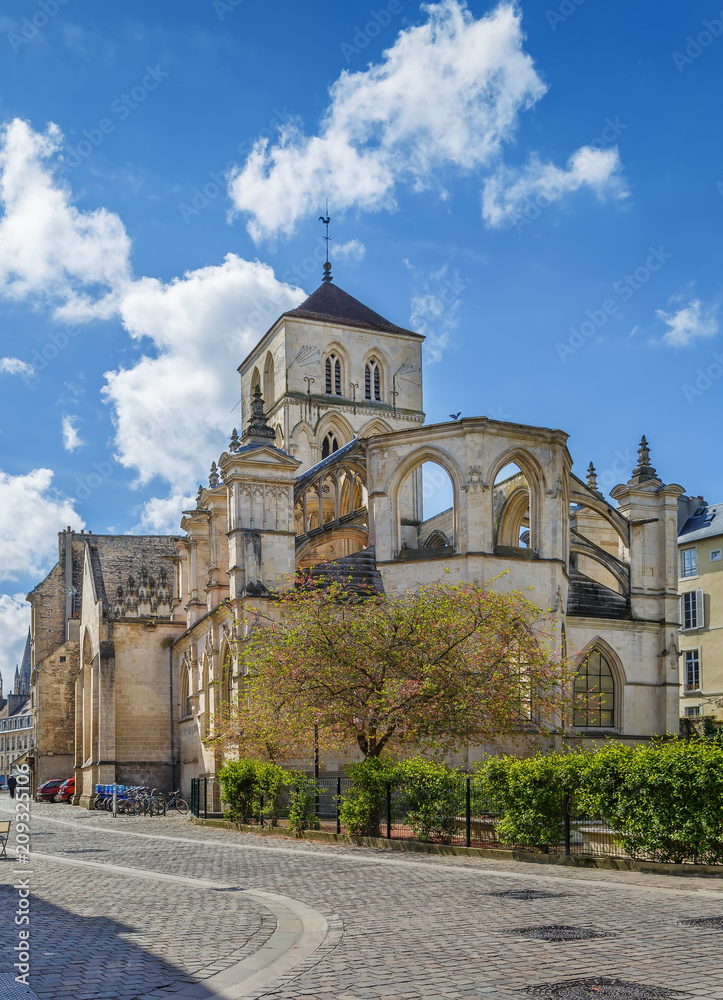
(186, 706)
(372, 380)
(333, 375)
(595, 692)
(269, 387)
(329, 445)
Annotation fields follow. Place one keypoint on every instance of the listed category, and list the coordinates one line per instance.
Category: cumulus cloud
(14, 366)
(687, 324)
(71, 436)
(448, 93)
(14, 624)
(352, 250)
(508, 194)
(172, 408)
(48, 248)
(174, 404)
(160, 515)
(31, 515)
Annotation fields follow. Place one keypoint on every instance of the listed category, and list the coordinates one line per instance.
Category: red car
(66, 791)
(48, 790)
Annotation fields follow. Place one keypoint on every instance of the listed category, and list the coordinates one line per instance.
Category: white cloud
(31, 515)
(447, 93)
(48, 248)
(14, 366)
(14, 624)
(71, 436)
(160, 515)
(173, 409)
(508, 193)
(435, 308)
(352, 250)
(689, 323)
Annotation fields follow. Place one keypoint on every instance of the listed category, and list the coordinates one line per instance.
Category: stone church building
(133, 637)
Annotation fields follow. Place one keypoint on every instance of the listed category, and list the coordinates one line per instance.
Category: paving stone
(401, 927)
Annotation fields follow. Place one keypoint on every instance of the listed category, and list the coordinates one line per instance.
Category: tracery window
(372, 380)
(595, 692)
(329, 445)
(333, 375)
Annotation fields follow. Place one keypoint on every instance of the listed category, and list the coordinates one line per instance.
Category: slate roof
(706, 522)
(331, 304)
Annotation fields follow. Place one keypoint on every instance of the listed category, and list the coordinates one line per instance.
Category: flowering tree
(430, 669)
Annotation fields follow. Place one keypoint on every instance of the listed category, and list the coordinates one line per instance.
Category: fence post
(566, 807)
(338, 804)
(467, 812)
(261, 812)
(389, 810)
(205, 798)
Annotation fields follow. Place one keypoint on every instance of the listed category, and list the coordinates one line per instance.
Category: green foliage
(665, 800)
(432, 798)
(251, 789)
(530, 794)
(302, 815)
(363, 806)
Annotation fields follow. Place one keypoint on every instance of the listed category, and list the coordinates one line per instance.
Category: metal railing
(457, 816)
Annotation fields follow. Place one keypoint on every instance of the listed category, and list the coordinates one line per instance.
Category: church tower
(331, 370)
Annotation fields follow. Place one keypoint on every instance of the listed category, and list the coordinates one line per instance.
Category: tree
(431, 669)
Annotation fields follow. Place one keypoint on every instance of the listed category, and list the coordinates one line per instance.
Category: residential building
(700, 547)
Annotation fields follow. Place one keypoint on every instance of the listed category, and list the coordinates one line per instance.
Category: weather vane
(327, 266)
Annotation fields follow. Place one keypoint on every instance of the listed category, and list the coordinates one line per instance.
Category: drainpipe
(170, 689)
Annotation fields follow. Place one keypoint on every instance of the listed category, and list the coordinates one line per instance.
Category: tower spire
(327, 265)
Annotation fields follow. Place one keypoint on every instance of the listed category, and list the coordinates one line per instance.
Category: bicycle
(176, 802)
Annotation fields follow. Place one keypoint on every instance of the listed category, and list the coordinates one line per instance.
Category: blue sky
(538, 189)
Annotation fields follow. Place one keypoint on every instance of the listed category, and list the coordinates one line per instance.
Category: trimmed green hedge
(252, 791)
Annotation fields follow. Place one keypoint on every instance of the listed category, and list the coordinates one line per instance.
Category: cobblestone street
(137, 907)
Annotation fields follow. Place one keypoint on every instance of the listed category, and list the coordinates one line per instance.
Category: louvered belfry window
(372, 380)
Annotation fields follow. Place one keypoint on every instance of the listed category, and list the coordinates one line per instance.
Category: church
(134, 637)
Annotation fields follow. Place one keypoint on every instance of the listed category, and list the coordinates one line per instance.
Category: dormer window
(333, 375)
(372, 380)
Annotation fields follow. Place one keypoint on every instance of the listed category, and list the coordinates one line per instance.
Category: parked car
(48, 790)
(66, 791)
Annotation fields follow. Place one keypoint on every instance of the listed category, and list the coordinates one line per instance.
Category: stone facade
(330, 466)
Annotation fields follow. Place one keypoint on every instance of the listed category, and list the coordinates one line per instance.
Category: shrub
(663, 800)
(363, 806)
(302, 815)
(251, 789)
(432, 798)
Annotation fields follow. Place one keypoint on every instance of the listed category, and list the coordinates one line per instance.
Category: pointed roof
(331, 304)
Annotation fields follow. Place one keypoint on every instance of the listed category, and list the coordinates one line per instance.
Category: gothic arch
(337, 424)
(186, 707)
(256, 380)
(617, 671)
(378, 356)
(374, 426)
(269, 385)
(535, 477)
(225, 688)
(426, 453)
(340, 353)
(512, 517)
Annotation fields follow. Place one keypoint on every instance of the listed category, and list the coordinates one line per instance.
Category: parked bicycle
(176, 802)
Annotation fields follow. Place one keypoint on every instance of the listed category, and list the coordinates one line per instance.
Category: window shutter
(699, 609)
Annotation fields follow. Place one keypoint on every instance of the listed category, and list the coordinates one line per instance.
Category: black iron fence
(458, 817)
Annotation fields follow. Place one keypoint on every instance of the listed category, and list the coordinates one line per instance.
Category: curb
(493, 853)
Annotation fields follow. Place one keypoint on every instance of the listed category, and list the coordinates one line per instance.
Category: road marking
(300, 929)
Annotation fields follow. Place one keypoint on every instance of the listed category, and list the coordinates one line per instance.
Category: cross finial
(327, 266)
